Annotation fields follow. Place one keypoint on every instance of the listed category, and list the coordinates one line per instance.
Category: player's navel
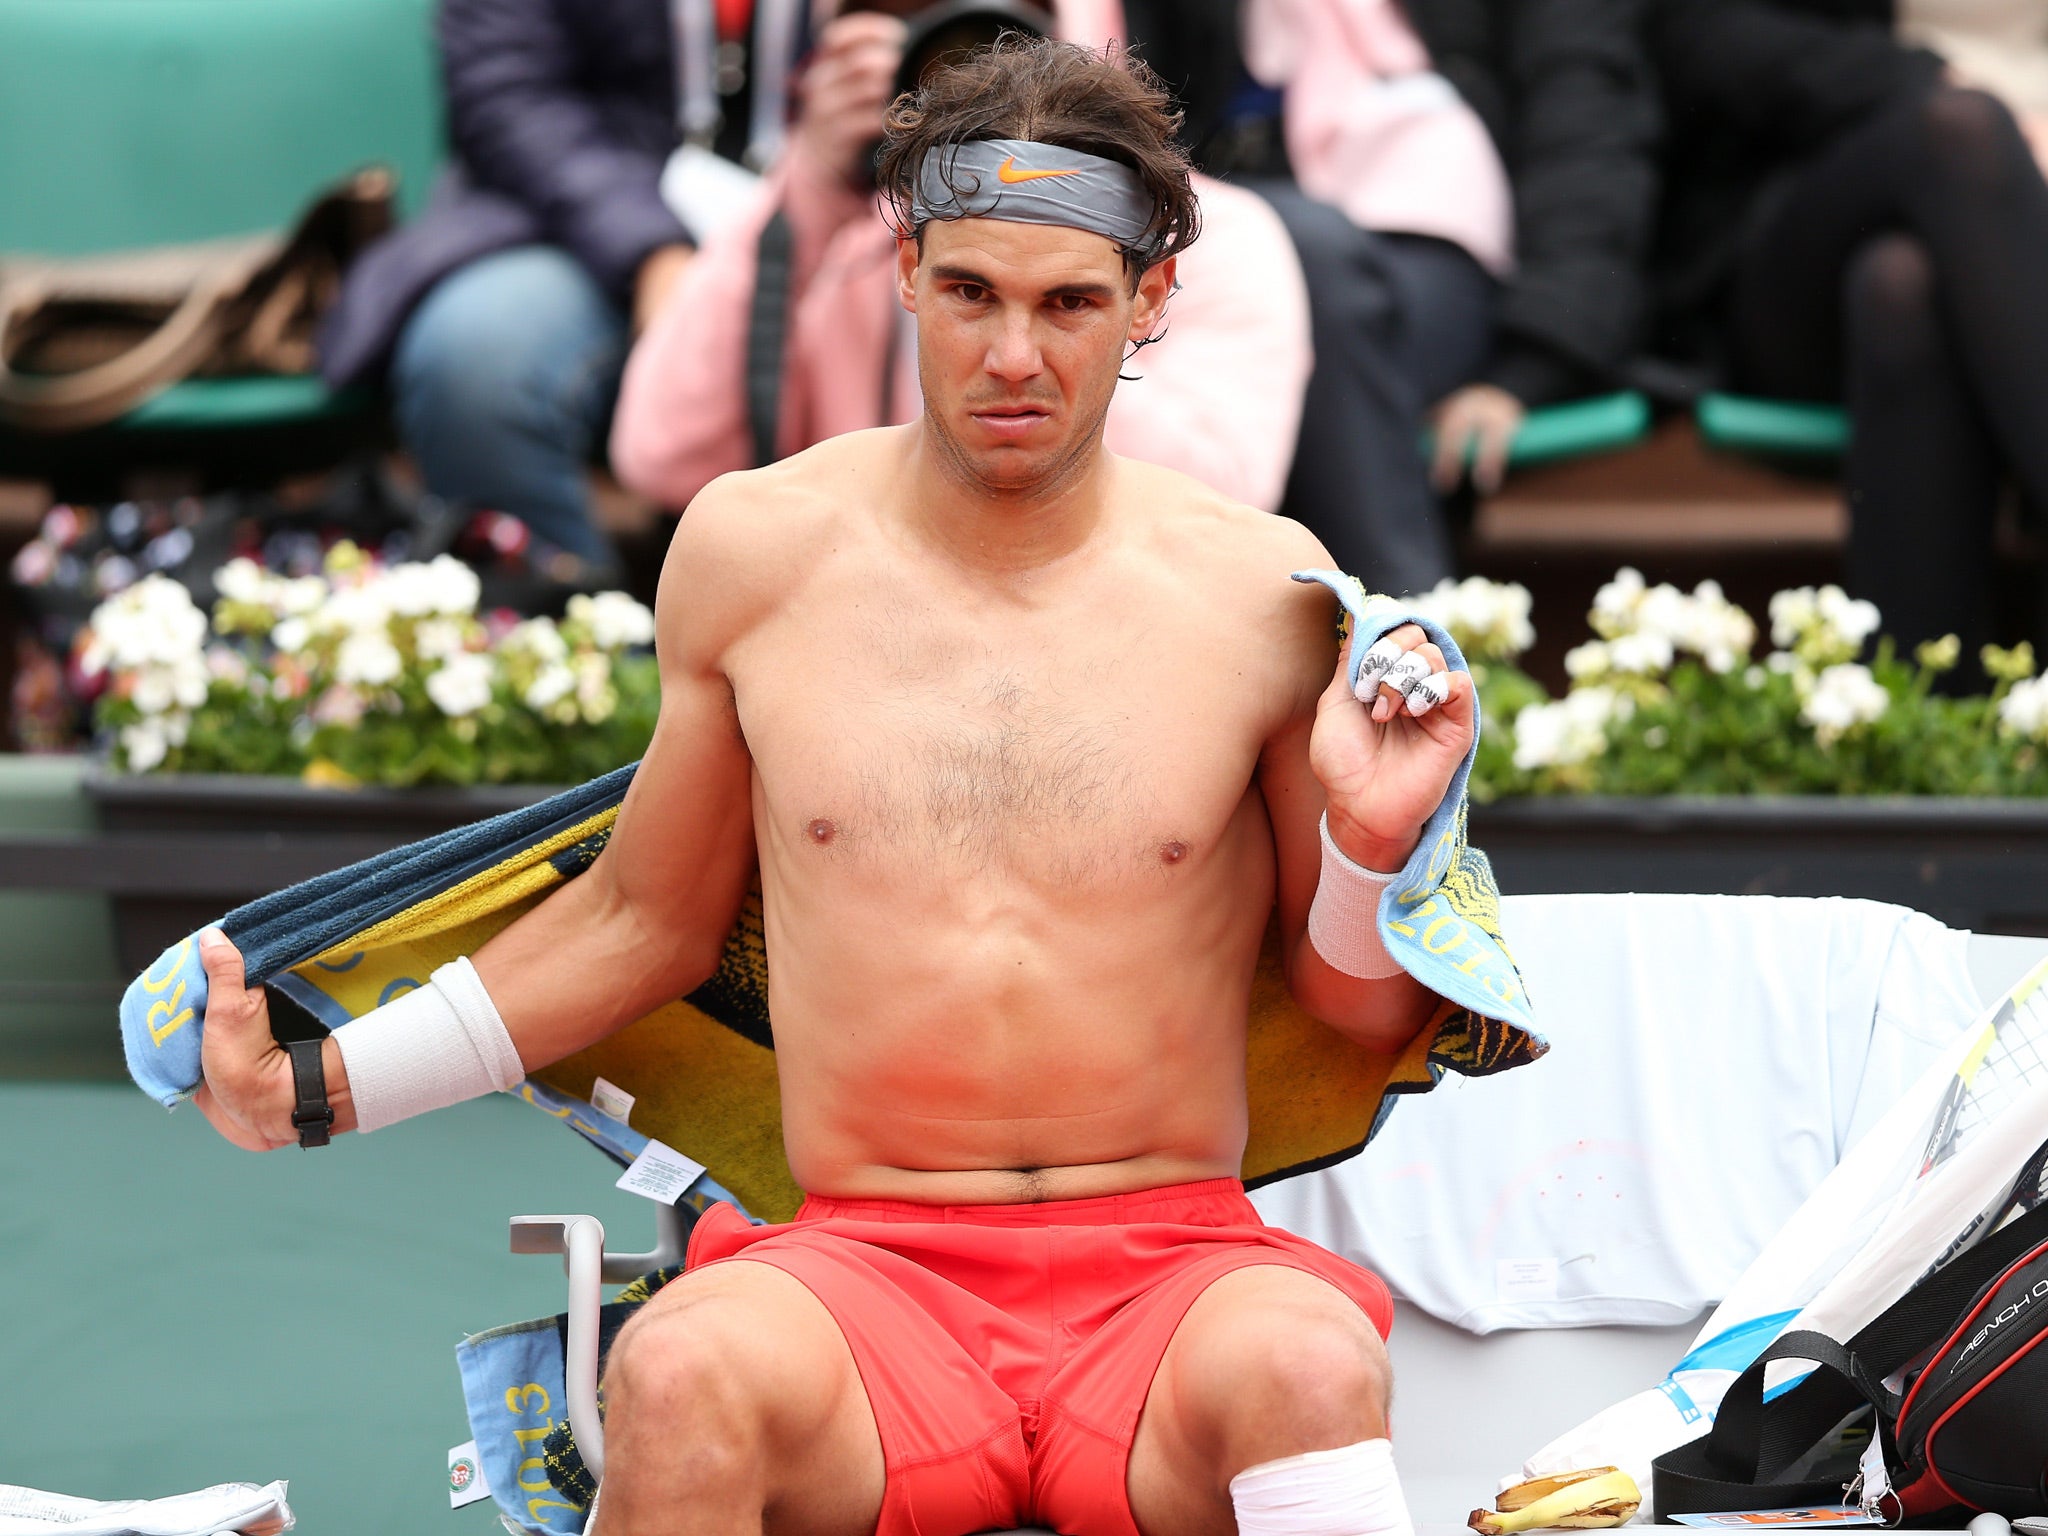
(821, 831)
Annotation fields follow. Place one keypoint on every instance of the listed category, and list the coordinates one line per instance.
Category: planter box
(178, 850)
(1979, 864)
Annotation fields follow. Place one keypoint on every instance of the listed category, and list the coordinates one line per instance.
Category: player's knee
(687, 1367)
(1330, 1374)
(1297, 1357)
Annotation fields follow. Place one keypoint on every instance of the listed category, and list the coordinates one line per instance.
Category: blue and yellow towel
(702, 1068)
(1441, 919)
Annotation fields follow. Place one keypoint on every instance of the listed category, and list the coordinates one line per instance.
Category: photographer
(707, 391)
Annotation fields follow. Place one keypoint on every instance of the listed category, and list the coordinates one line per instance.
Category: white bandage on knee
(437, 1045)
(1344, 919)
(1351, 1491)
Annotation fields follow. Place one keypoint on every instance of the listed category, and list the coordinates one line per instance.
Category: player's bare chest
(1079, 746)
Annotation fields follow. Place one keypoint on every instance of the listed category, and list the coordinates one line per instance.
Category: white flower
(1486, 618)
(1647, 627)
(555, 682)
(1717, 631)
(541, 640)
(368, 658)
(145, 744)
(419, 589)
(2024, 710)
(462, 686)
(291, 635)
(1645, 652)
(1844, 696)
(1824, 626)
(153, 622)
(1569, 731)
(302, 595)
(1583, 663)
(615, 620)
(160, 689)
(595, 696)
(409, 590)
(154, 692)
(242, 580)
(1614, 605)
(456, 587)
(438, 639)
(357, 610)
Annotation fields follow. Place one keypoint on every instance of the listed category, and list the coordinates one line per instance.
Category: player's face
(1021, 331)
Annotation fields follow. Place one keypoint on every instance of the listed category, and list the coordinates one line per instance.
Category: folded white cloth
(240, 1508)
(1715, 1057)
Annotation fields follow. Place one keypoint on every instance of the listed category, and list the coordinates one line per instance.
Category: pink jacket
(1373, 130)
(1218, 398)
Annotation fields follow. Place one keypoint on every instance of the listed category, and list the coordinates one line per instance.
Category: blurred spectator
(1218, 396)
(1470, 185)
(1850, 217)
(503, 312)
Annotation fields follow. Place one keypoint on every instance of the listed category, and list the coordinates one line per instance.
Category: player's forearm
(1381, 1013)
(562, 977)
(1341, 971)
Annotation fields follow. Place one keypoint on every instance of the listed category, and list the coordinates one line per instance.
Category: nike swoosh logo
(1008, 172)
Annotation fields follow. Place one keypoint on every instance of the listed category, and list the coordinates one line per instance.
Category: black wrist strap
(312, 1115)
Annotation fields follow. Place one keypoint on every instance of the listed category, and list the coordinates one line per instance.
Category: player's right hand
(847, 88)
(248, 1094)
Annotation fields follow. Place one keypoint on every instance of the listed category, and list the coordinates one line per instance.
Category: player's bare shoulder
(749, 541)
(1237, 559)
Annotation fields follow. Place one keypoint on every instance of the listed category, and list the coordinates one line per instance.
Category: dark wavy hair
(1109, 104)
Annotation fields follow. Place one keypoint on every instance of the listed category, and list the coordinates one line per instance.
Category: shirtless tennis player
(1025, 741)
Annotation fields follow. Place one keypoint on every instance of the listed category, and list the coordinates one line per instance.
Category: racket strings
(2016, 1062)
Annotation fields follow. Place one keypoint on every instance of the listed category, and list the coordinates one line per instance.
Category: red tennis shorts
(1007, 1349)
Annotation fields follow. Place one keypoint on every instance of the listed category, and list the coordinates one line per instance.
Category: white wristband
(437, 1045)
(1344, 919)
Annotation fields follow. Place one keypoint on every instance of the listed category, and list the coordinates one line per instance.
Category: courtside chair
(134, 123)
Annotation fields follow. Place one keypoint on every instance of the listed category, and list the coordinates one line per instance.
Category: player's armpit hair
(1106, 103)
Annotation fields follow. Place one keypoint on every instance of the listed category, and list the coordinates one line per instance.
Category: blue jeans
(504, 380)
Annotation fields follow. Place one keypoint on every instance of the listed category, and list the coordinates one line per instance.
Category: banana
(1523, 1494)
(1605, 1498)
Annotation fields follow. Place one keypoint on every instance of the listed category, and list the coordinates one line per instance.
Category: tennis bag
(1969, 1428)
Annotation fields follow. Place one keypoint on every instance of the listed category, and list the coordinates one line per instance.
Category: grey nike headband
(1027, 183)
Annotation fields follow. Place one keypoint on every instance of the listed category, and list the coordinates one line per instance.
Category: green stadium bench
(1747, 424)
(1601, 424)
(160, 121)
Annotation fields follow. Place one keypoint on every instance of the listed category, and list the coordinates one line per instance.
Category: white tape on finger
(1372, 670)
(1431, 691)
(1406, 673)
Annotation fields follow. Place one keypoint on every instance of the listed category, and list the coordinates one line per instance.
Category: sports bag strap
(1920, 1316)
(62, 402)
(1752, 1441)
(1727, 1468)
(768, 334)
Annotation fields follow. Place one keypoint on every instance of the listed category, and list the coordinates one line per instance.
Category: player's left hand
(1386, 761)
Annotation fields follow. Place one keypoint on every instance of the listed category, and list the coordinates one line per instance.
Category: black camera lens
(941, 34)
